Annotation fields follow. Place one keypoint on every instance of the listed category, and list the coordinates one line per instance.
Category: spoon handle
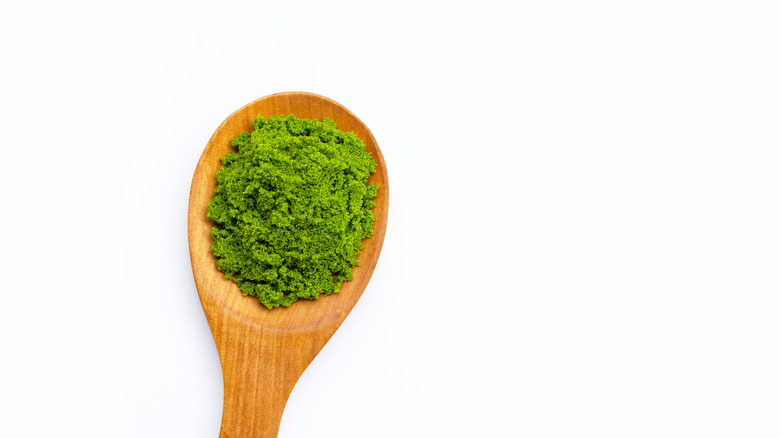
(260, 368)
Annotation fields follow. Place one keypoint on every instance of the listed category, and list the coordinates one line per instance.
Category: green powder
(291, 208)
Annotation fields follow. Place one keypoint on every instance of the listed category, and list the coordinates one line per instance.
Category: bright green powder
(291, 208)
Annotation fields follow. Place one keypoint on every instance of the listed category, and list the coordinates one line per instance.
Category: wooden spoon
(264, 352)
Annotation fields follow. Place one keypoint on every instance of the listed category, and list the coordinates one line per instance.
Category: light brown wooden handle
(259, 372)
(255, 395)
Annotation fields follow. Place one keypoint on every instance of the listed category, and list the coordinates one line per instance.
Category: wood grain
(264, 352)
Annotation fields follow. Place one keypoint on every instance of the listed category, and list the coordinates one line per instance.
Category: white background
(584, 231)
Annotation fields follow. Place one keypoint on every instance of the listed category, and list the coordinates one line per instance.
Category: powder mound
(291, 208)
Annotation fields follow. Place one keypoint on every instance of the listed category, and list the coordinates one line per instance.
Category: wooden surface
(264, 352)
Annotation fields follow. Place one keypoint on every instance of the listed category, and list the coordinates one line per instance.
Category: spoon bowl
(263, 352)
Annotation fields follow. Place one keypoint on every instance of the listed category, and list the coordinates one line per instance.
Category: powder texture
(291, 208)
